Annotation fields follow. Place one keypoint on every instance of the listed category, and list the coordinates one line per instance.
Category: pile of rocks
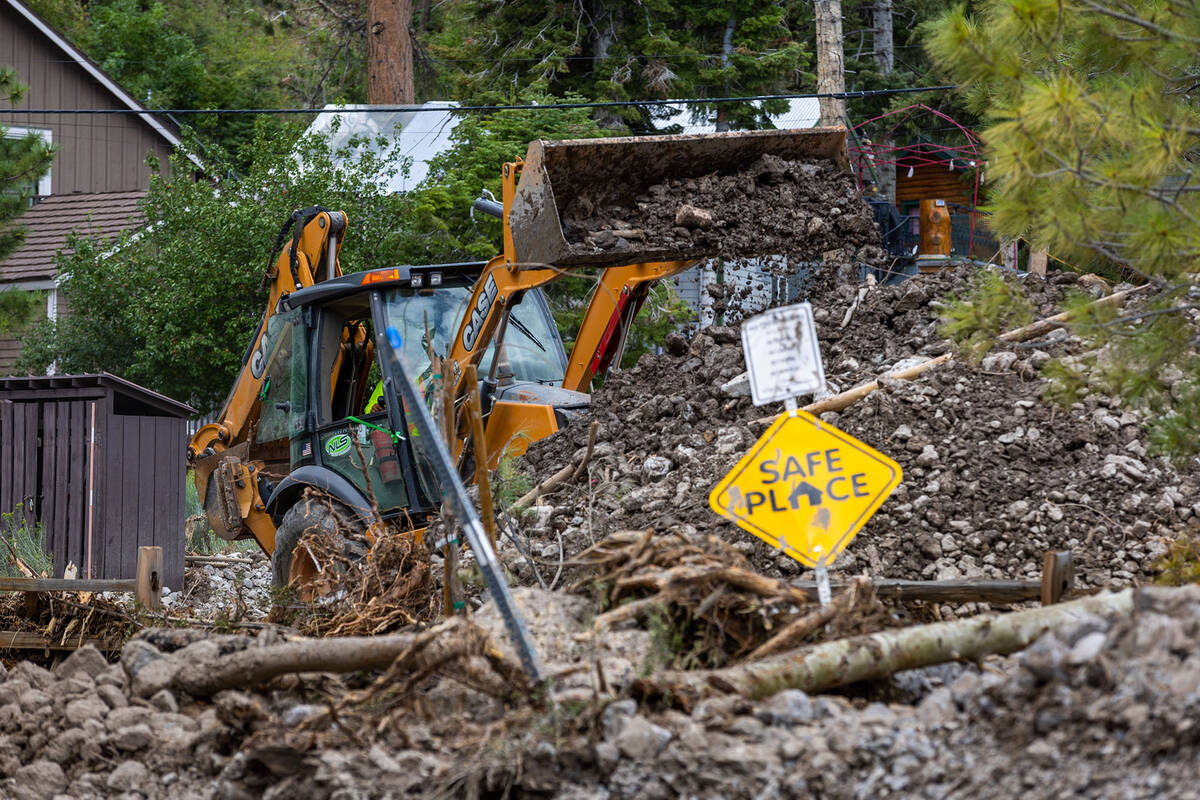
(1096, 709)
(232, 590)
(994, 474)
(75, 731)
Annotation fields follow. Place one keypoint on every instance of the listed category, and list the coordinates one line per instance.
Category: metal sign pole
(455, 494)
(824, 591)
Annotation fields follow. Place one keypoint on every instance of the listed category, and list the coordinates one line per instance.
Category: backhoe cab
(322, 441)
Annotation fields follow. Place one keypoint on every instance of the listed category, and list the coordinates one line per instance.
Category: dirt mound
(802, 209)
(994, 474)
(1097, 708)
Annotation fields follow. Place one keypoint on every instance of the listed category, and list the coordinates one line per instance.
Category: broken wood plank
(960, 591)
(65, 585)
(1058, 575)
(21, 640)
(149, 577)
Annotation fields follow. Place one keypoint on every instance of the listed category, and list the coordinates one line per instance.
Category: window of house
(42, 187)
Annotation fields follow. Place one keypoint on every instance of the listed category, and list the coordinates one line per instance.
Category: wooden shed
(99, 463)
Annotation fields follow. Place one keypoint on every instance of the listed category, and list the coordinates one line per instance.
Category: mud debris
(807, 210)
(1097, 708)
(995, 474)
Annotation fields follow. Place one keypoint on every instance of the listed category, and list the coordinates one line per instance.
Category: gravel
(994, 474)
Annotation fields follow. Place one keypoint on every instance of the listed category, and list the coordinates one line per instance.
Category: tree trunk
(885, 53)
(254, 666)
(604, 33)
(390, 53)
(879, 655)
(831, 74)
(885, 60)
(726, 50)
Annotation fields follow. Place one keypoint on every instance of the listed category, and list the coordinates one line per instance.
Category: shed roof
(49, 222)
(139, 399)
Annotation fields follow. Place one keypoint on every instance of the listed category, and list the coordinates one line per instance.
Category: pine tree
(23, 162)
(620, 50)
(1092, 139)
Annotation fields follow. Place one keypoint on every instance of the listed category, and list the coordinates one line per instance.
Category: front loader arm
(616, 300)
(307, 259)
(226, 474)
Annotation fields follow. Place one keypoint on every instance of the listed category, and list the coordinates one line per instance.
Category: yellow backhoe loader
(315, 433)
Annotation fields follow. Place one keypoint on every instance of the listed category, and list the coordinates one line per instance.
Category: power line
(487, 109)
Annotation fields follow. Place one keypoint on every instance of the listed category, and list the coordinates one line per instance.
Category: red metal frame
(924, 154)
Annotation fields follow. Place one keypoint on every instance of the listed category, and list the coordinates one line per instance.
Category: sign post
(804, 487)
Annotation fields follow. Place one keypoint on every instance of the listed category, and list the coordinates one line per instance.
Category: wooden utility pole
(390, 53)
(885, 61)
(831, 74)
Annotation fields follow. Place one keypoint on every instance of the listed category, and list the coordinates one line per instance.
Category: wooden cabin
(930, 172)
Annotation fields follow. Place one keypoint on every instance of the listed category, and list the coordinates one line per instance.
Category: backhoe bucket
(616, 171)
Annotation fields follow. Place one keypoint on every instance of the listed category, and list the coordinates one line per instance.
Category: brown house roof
(49, 222)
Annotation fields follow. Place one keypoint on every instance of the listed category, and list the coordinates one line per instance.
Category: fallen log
(255, 666)
(879, 655)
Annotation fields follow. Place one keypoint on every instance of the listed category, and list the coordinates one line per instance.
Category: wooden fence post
(149, 577)
(1058, 575)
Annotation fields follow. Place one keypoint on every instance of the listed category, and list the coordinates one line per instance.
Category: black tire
(318, 513)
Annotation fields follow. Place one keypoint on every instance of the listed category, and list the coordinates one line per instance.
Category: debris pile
(707, 594)
(67, 619)
(237, 587)
(994, 474)
(804, 209)
(90, 729)
(1097, 708)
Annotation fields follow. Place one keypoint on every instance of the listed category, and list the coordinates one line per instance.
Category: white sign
(782, 356)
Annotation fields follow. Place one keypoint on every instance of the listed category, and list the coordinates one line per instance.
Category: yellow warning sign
(806, 488)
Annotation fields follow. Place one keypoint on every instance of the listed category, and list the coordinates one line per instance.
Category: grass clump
(24, 542)
(990, 306)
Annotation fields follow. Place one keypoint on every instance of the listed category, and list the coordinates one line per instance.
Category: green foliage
(1065, 384)
(23, 162)
(26, 542)
(1176, 430)
(509, 482)
(991, 305)
(1181, 564)
(1092, 128)
(172, 306)
(18, 308)
(204, 54)
(663, 312)
(1092, 139)
(618, 50)
(1140, 359)
(667, 641)
(441, 206)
